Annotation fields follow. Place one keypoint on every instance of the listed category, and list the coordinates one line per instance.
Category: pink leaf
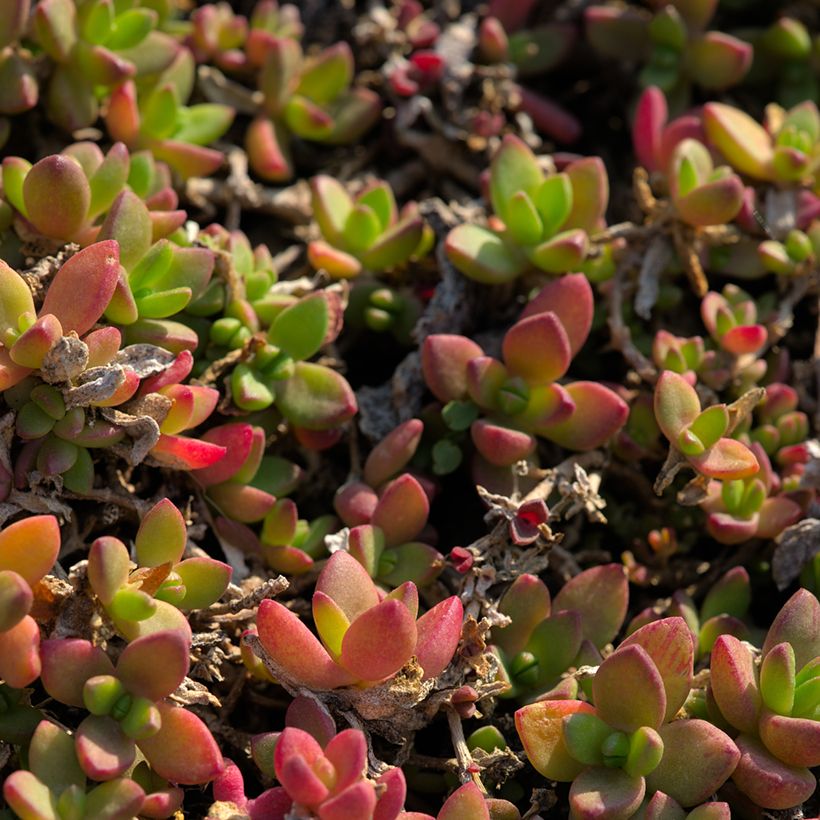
(500, 445)
(183, 751)
(356, 801)
(103, 750)
(83, 287)
(237, 439)
(297, 758)
(570, 299)
(155, 665)
(347, 751)
(439, 631)
(294, 648)
(767, 781)
(444, 360)
(184, 453)
(599, 413)
(465, 803)
(402, 510)
(537, 348)
(647, 127)
(379, 642)
(345, 581)
(734, 683)
(67, 664)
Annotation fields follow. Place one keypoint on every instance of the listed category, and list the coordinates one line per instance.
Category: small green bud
(615, 749)
(102, 693)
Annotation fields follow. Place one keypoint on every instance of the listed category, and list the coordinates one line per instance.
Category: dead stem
(620, 334)
(468, 769)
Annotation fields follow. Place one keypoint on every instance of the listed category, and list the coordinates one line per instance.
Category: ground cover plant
(409, 410)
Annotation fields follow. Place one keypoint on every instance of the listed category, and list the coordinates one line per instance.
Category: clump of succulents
(773, 705)
(307, 97)
(236, 543)
(540, 221)
(626, 744)
(547, 637)
(363, 638)
(674, 42)
(507, 404)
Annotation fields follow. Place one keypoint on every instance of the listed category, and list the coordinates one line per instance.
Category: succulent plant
(785, 152)
(675, 44)
(627, 744)
(55, 784)
(233, 42)
(91, 188)
(96, 45)
(520, 395)
(366, 233)
(387, 510)
(150, 598)
(128, 707)
(540, 221)
(773, 706)
(159, 120)
(364, 638)
(699, 435)
(28, 550)
(309, 98)
(546, 638)
(722, 612)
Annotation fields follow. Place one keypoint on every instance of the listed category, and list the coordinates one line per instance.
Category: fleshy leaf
(527, 603)
(294, 648)
(162, 535)
(602, 792)
(734, 683)
(379, 642)
(439, 631)
(154, 666)
(600, 596)
(183, 751)
(465, 803)
(70, 298)
(698, 759)
(767, 781)
(628, 690)
(598, 413)
(669, 643)
(540, 727)
(402, 510)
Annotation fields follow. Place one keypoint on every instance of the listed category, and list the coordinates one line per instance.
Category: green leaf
(584, 735)
(380, 198)
(300, 330)
(202, 124)
(131, 27)
(459, 415)
(447, 457)
(777, 679)
(711, 424)
(159, 115)
(554, 202)
(328, 75)
(523, 223)
(97, 22)
(514, 168)
(362, 228)
(483, 256)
